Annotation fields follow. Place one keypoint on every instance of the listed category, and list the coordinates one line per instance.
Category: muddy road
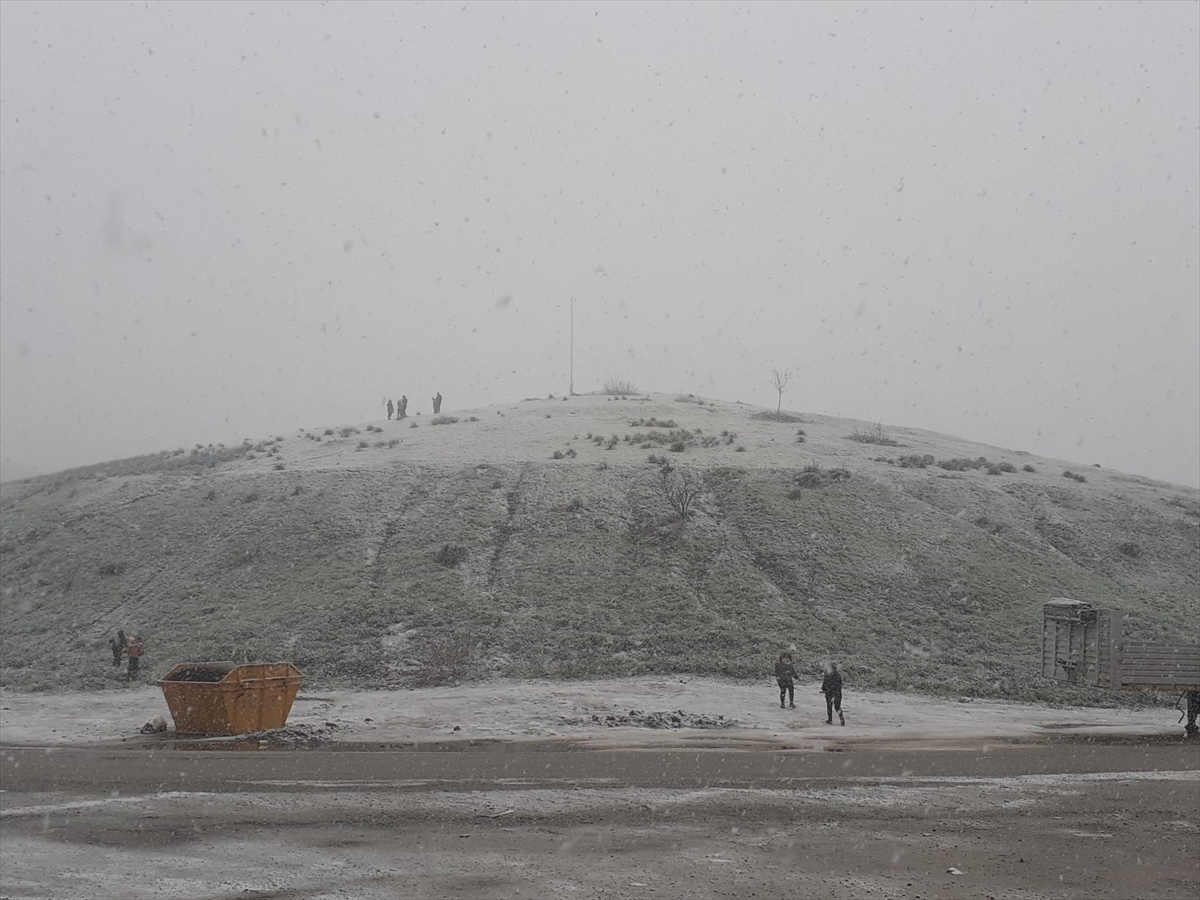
(1117, 818)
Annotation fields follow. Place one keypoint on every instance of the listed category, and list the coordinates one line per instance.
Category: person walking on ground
(402, 407)
(118, 645)
(437, 403)
(785, 676)
(135, 650)
(831, 687)
(390, 409)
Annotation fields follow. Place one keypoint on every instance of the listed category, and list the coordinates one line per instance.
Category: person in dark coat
(135, 650)
(785, 677)
(391, 409)
(437, 403)
(118, 645)
(402, 407)
(831, 687)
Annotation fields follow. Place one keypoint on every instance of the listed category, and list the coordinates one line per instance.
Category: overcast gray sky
(226, 220)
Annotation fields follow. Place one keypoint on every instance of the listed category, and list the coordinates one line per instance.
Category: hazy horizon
(225, 220)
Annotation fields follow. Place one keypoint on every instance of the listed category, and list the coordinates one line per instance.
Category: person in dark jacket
(118, 645)
(135, 650)
(391, 409)
(437, 403)
(785, 677)
(831, 687)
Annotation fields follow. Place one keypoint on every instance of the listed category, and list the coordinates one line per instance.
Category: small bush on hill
(1074, 476)
(876, 435)
(1130, 549)
(653, 423)
(813, 476)
(915, 461)
(682, 487)
(443, 420)
(619, 387)
(450, 555)
(961, 464)
(1028, 468)
(989, 526)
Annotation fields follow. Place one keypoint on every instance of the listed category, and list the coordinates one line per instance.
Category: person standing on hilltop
(402, 407)
(437, 403)
(831, 687)
(785, 677)
(390, 409)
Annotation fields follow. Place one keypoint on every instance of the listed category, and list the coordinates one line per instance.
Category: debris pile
(640, 719)
(294, 735)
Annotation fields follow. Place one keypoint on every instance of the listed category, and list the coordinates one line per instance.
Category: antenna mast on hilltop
(571, 375)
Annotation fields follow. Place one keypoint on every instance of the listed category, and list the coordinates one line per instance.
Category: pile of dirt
(640, 719)
(297, 735)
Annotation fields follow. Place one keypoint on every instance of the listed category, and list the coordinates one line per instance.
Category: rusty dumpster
(222, 698)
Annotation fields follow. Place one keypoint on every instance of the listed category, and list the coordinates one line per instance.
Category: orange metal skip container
(222, 698)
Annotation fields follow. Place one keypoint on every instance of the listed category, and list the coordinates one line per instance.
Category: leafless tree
(781, 380)
(682, 487)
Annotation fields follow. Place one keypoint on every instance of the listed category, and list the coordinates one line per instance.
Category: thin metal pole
(572, 373)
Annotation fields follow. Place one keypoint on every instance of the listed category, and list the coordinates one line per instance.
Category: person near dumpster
(134, 651)
(831, 687)
(118, 645)
(785, 677)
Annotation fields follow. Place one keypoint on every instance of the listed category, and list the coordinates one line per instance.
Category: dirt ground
(1006, 801)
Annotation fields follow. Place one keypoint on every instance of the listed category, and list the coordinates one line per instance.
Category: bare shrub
(1028, 468)
(619, 387)
(443, 420)
(682, 487)
(915, 461)
(1130, 549)
(1074, 476)
(877, 435)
